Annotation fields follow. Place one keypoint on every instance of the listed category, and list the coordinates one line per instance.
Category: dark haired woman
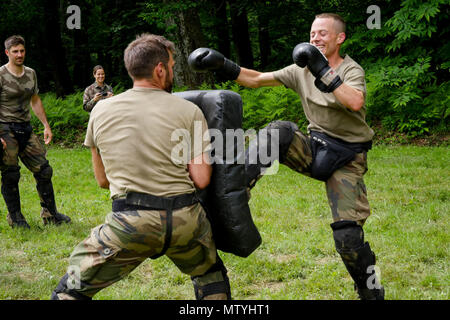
(97, 91)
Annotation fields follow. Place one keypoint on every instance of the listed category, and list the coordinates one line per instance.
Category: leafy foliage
(65, 116)
(267, 104)
(406, 61)
(407, 67)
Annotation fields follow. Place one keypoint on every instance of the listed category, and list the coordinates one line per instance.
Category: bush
(407, 67)
(66, 117)
(264, 105)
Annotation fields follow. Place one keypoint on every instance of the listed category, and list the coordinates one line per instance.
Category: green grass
(409, 193)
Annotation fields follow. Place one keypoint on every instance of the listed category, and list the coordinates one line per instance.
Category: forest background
(400, 44)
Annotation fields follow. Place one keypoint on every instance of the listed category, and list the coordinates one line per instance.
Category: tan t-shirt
(323, 111)
(146, 137)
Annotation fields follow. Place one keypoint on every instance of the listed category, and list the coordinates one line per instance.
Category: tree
(182, 23)
(241, 37)
(54, 48)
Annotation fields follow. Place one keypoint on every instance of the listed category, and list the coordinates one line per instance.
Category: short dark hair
(96, 68)
(341, 26)
(143, 55)
(14, 40)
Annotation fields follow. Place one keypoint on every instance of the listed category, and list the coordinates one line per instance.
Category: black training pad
(225, 199)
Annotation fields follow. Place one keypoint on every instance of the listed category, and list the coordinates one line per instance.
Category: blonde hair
(339, 21)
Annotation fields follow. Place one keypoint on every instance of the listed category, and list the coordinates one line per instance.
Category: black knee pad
(63, 288)
(286, 130)
(11, 175)
(348, 235)
(262, 147)
(214, 287)
(45, 173)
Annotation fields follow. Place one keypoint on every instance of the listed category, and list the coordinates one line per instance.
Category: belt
(143, 201)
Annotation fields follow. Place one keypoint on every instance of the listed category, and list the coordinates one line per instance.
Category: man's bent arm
(38, 109)
(349, 97)
(200, 171)
(99, 169)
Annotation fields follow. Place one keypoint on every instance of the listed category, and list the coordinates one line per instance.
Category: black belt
(143, 201)
(21, 131)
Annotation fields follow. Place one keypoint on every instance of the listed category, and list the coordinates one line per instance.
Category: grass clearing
(409, 193)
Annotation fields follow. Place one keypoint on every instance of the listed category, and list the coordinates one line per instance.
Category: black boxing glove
(205, 59)
(305, 54)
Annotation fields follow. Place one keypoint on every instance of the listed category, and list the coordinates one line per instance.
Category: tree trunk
(241, 37)
(55, 49)
(264, 40)
(81, 57)
(188, 36)
(221, 27)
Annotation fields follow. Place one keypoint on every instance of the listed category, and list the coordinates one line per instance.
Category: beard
(168, 85)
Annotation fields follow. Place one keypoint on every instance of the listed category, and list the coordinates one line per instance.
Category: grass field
(409, 192)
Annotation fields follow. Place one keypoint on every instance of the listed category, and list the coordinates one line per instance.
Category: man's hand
(38, 109)
(305, 54)
(3, 143)
(206, 59)
(48, 135)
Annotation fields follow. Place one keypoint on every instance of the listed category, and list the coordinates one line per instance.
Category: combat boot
(10, 192)
(358, 258)
(370, 294)
(214, 284)
(44, 186)
(17, 219)
(57, 218)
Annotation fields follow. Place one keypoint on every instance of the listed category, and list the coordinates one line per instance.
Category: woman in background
(97, 91)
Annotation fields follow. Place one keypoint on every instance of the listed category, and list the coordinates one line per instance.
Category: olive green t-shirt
(323, 110)
(15, 94)
(145, 138)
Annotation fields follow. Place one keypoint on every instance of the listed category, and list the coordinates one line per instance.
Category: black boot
(209, 287)
(63, 292)
(53, 218)
(17, 219)
(358, 263)
(358, 258)
(261, 147)
(10, 192)
(44, 186)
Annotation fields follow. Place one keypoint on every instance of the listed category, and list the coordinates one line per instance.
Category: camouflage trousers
(346, 191)
(22, 143)
(127, 238)
(31, 152)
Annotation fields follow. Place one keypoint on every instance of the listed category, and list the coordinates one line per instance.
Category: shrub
(264, 105)
(407, 67)
(65, 116)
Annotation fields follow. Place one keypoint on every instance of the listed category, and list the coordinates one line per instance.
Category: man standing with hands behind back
(19, 90)
(332, 90)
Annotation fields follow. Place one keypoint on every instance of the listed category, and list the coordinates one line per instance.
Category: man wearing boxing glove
(332, 91)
